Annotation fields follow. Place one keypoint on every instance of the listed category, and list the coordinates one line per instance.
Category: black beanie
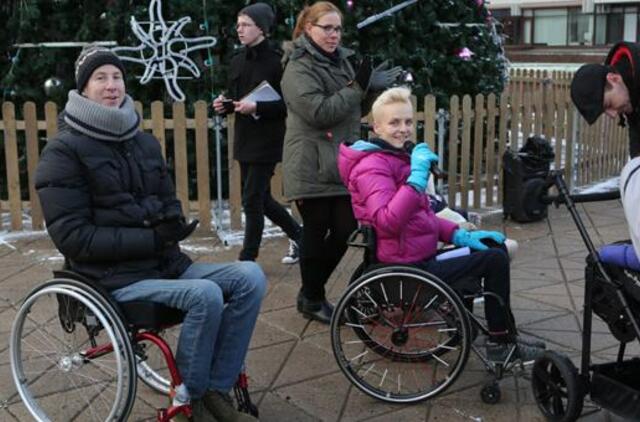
(261, 14)
(92, 57)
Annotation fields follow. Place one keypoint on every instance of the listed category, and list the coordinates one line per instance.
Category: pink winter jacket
(406, 228)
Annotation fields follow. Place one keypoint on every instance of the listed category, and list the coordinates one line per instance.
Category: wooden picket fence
(479, 131)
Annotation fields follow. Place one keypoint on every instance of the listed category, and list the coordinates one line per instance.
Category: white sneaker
(512, 248)
(293, 255)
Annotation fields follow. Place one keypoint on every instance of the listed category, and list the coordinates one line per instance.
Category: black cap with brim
(587, 90)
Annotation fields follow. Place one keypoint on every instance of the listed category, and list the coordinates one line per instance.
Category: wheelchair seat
(150, 315)
(138, 315)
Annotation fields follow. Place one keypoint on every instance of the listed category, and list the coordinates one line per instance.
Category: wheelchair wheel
(71, 356)
(151, 365)
(556, 387)
(399, 334)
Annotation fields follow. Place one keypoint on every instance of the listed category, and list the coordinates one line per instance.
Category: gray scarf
(101, 122)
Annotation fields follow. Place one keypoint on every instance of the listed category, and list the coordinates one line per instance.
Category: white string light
(164, 50)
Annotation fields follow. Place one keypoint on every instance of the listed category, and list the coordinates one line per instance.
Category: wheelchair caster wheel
(490, 393)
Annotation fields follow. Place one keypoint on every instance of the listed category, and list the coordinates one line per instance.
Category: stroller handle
(555, 178)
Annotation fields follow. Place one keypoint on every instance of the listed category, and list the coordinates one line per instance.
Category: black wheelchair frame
(559, 388)
(360, 318)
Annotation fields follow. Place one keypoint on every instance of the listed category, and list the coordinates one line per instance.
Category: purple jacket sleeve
(621, 255)
(446, 229)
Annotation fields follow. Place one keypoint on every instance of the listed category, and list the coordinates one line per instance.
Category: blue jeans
(214, 338)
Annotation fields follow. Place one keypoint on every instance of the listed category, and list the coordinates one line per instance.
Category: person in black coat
(111, 210)
(259, 129)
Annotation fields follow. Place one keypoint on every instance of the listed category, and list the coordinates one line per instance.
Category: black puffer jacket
(99, 200)
(258, 140)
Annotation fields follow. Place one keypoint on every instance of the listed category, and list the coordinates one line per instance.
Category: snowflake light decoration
(164, 50)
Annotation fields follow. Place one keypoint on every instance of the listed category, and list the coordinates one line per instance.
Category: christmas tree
(450, 46)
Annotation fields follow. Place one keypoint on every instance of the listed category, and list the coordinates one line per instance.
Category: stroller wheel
(490, 393)
(556, 387)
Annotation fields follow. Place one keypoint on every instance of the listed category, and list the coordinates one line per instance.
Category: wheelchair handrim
(16, 347)
(370, 278)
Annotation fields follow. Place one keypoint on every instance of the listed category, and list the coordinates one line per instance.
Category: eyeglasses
(244, 25)
(330, 29)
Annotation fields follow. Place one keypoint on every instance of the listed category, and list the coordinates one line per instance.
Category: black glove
(363, 74)
(170, 232)
(382, 77)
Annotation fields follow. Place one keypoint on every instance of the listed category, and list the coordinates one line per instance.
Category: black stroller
(613, 293)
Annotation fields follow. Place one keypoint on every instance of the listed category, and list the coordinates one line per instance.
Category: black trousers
(326, 226)
(492, 266)
(258, 203)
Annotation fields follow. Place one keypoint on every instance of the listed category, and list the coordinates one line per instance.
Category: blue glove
(462, 238)
(421, 159)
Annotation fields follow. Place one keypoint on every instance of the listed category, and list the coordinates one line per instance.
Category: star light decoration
(164, 50)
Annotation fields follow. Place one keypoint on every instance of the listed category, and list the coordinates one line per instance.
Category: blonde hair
(399, 94)
(311, 14)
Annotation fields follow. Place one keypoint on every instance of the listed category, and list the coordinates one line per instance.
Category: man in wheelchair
(387, 185)
(111, 210)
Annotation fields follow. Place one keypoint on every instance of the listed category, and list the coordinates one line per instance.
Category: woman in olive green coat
(323, 93)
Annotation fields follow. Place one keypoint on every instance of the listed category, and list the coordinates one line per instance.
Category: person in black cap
(111, 209)
(612, 88)
(259, 129)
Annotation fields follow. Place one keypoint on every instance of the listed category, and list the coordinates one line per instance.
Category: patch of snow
(602, 186)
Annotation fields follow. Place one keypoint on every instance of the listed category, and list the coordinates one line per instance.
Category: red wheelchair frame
(147, 330)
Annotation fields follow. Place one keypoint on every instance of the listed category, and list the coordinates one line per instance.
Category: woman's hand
(421, 159)
(245, 107)
(474, 239)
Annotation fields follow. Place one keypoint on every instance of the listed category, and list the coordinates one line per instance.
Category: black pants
(326, 226)
(492, 266)
(258, 203)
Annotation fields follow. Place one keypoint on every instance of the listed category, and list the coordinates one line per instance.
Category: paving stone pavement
(293, 374)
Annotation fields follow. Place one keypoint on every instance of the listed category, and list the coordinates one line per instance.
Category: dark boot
(317, 310)
(221, 406)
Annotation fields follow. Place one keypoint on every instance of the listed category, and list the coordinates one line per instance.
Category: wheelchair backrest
(365, 237)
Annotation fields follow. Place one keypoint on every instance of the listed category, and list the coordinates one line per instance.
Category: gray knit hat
(92, 57)
(262, 14)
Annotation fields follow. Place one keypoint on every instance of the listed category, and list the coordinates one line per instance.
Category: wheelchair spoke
(362, 313)
(384, 292)
(425, 324)
(383, 377)
(371, 299)
(428, 305)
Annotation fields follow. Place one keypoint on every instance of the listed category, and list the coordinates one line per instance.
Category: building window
(550, 26)
(615, 25)
(580, 27)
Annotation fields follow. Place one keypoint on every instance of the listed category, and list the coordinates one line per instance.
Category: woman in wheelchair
(111, 210)
(387, 185)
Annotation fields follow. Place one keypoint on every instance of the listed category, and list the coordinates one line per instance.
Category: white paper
(263, 92)
(454, 253)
